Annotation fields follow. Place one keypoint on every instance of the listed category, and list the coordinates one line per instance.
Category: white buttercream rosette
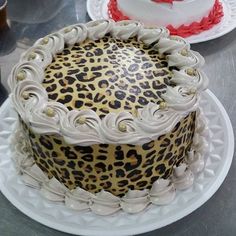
(121, 128)
(39, 55)
(27, 95)
(155, 121)
(197, 79)
(171, 44)
(75, 34)
(181, 99)
(25, 71)
(152, 35)
(53, 43)
(81, 128)
(47, 119)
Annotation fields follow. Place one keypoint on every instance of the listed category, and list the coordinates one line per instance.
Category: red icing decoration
(206, 23)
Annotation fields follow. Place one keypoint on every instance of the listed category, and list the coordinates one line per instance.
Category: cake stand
(97, 9)
(57, 216)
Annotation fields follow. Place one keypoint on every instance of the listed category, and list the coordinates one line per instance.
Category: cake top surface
(107, 75)
(106, 82)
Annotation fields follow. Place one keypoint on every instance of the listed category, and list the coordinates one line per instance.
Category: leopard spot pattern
(107, 75)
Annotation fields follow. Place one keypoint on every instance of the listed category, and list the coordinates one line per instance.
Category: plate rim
(143, 228)
(228, 29)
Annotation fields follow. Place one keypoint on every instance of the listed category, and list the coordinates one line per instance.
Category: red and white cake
(181, 17)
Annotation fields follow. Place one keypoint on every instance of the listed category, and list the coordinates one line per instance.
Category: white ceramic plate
(97, 9)
(59, 217)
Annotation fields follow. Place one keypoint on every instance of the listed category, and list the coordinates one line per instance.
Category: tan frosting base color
(107, 75)
(114, 168)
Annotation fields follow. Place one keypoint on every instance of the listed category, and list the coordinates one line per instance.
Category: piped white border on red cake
(162, 192)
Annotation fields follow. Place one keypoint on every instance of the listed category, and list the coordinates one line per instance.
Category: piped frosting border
(84, 127)
(162, 192)
(213, 18)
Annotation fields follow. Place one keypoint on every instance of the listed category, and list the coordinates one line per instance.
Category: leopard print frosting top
(107, 75)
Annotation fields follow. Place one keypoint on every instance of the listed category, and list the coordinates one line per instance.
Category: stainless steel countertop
(218, 215)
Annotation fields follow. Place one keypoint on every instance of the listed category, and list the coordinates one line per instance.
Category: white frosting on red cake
(164, 14)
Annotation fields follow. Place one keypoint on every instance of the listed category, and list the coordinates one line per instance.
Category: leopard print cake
(109, 106)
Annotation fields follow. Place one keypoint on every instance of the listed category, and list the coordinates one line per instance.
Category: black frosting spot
(66, 99)
(115, 104)
(103, 84)
(135, 90)
(87, 157)
(133, 67)
(96, 68)
(72, 72)
(53, 96)
(58, 75)
(66, 90)
(100, 167)
(79, 103)
(69, 79)
(68, 153)
(99, 97)
(98, 52)
(146, 65)
(143, 101)
(120, 173)
(120, 95)
(51, 88)
(161, 168)
(46, 143)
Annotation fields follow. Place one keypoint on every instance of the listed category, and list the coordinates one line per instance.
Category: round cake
(181, 17)
(110, 112)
